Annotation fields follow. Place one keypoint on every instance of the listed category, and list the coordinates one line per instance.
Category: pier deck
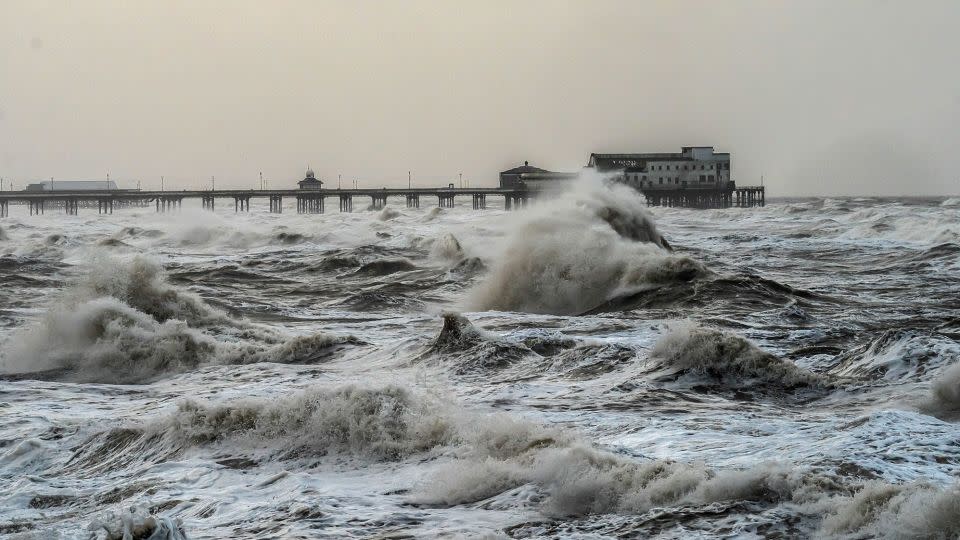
(308, 201)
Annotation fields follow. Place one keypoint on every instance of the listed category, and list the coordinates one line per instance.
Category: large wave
(572, 254)
(122, 322)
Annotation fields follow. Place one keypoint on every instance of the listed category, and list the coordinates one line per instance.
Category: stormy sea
(587, 367)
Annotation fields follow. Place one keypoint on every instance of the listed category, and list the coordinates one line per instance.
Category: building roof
(76, 185)
(525, 168)
(310, 180)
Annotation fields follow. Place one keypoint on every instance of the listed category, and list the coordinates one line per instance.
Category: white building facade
(695, 167)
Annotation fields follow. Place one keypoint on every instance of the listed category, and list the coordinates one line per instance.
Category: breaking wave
(579, 251)
(691, 349)
(952, 201)
(122, 323)
(897, 355)
(898, 512)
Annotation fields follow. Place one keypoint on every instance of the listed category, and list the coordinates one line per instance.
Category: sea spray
(574, 253)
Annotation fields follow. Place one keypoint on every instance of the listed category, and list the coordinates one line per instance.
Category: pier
(308, 201)
(698, 197)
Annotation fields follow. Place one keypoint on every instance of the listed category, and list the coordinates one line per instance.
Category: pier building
(697, 176)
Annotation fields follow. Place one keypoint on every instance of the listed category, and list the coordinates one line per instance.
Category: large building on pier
(72, 185)
(693, 167)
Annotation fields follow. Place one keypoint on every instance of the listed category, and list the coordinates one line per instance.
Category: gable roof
(525, 168)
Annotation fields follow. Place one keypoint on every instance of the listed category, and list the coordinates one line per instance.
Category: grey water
(786, 371)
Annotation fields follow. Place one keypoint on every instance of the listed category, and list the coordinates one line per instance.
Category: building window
(701, 167)
(703, 178)
(710, 167)
(661, 179)
(710, 178)
(644, 177)
(726, 166)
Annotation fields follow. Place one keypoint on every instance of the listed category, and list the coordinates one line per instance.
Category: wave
(432, 214)
(693, 350)
(122, 323)
(952, 201)
(898, 511)
(896, 355)
(140, 283)
(106, 340)
(388, 213)
(577, 252)
(689, 285)
(447, 247)
(366, 423)
(383, 267)
(3, 235)
(466, 349)
(478, 457)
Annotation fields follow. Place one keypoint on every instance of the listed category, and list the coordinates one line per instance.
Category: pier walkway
(308, 201)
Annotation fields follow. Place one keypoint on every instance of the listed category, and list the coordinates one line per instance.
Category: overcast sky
(832, 97)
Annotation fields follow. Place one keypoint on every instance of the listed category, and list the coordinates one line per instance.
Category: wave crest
(576, 253)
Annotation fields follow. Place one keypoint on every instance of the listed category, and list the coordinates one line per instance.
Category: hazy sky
(832, 97)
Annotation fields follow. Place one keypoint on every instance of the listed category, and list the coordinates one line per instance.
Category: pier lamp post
(213, 183)
(409, 180)
(461, 180)
(339, 181)
(108, 182)
(161, 183)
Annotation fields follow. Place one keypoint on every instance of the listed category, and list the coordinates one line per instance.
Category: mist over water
(586, 367)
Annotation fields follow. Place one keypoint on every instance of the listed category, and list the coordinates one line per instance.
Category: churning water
(788, 371)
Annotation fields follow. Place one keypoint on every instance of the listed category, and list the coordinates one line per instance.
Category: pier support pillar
(241, 203)
(445, 200)
(413, 201)
(276, 204)
(310, 203)
(208, 202)
(346, 203)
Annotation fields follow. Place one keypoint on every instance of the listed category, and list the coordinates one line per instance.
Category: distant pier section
(311, 197)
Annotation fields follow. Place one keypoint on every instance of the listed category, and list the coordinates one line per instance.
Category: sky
(817, 97)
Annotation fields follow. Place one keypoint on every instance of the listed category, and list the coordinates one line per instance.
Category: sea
(586, 367)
